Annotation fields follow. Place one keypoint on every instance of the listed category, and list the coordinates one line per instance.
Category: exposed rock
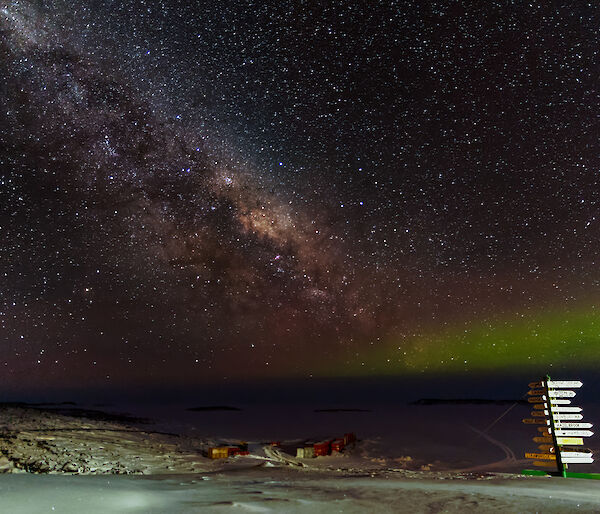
(39, 441)
(70, 467)
(6, 465)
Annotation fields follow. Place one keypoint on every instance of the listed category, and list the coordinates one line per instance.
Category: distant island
(34, 405)
(213, 408)
(464, 401)
(69, 409)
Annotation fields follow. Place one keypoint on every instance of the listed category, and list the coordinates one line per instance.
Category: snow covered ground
(282, 490)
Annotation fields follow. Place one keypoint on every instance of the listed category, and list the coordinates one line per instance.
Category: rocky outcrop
(37, 441)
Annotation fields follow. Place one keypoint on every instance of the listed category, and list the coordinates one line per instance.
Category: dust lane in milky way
(192, 193)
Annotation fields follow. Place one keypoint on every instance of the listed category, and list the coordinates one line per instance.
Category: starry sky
(206, 191)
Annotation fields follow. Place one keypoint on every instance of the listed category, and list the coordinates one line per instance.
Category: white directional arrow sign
(577, 460)
(558, 401)
(573, 433)
(587, 455)
(563, 424)
(564, 383)
(559, 393)
(565, 409)
(568, 416)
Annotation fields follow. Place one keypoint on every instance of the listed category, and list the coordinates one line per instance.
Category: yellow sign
(538, 413)
(542, 440)
(544, 456)
(546, 448)
(533, 385)
(539, 406)
(575, 441)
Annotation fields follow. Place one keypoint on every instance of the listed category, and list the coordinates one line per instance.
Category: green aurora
(538, 342)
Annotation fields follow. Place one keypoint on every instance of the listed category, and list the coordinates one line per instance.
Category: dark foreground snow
(282, 490)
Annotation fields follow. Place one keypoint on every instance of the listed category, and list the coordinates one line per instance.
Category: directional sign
(575, 449)
(577, 460)
(575, 441)
(536, 399)
(536, 392)
(559, 401)
(566, 424)
(539, 413)
(563, 383)
(544, 456)
(533, 385)
(545, 463)
(568, 416)
(540, 406)
(574, 433)
(544, 430)
(559, 393)
(559, 408)
(586, 455)
(534, 421)
(547, 440)
(547, 448)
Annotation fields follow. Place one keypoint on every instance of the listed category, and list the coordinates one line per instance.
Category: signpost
(546, 448)
(535, 392)
(562, 432)
(579, 433)
(576, 460)
(563, 383)
(565, 409)
(534, 421)
(559, 401)
(584, 455)
(567, 416)
(558, 393)
(573, 441)
(566, 424)
(546, 456)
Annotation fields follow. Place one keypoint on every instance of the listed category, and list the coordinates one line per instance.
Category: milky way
(199, 192)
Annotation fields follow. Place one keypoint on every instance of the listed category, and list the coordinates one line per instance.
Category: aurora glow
(533, 343)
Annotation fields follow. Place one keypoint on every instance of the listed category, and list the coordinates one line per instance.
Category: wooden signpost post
(562, 432)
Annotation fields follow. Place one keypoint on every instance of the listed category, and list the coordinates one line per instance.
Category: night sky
(209, 191)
